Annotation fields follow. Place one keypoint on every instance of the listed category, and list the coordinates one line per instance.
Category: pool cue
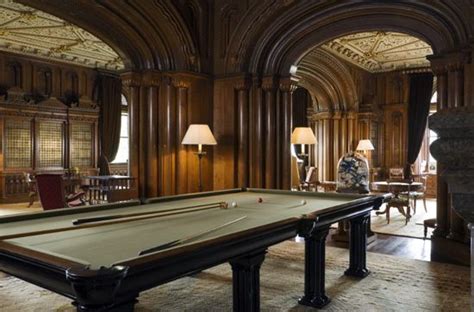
(97, 224)
(187, 239)
(128, 215)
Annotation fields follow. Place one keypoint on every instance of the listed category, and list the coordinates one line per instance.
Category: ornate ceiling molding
(27, 31)
(379, 51)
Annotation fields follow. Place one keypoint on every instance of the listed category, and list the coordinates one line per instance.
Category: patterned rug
(395, 284)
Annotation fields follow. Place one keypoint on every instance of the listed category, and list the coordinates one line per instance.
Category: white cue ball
(234, 204)
(303, 202)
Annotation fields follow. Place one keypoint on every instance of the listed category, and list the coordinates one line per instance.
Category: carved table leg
(246, 282)
(95, 289)
(315, 260)
(358, 247)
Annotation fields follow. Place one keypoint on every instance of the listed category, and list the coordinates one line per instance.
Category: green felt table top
(109, 244)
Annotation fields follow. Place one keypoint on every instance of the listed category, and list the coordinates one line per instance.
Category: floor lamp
(199, 135)
(303, 136)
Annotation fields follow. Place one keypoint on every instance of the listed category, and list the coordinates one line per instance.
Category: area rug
(395, 284)
(397, 226)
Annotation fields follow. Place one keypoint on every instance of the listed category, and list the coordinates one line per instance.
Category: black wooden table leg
(358, 247)
(96, 289)
(246, 282)
(315, 261)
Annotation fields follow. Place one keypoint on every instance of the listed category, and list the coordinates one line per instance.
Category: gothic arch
(276, 44)
(323, 71)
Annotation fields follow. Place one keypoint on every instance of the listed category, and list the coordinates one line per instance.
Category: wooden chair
(51, 191)
(396, 174)
(415, 195)
(399, 201)
(31, 188)
(310, 181)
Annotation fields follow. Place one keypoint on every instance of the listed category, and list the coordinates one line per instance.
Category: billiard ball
(260, 200)
(234, 204)
(303, 202)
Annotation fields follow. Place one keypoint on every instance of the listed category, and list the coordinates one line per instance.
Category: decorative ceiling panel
(27, 31)
(381, 51)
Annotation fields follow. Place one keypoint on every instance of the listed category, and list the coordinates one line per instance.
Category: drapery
(107, 94)
(421, 87)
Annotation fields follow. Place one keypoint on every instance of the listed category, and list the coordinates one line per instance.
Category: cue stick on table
(189, 238)
(128, 215)
(97, 224)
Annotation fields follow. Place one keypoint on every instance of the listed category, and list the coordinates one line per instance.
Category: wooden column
(132, 81)
(324, 145)
(269, 88)
(182, 87)
(351, 130)
(242, 165)
(257, 163)
(152, 82)
(337, 141)
(168, 137)
(286, 117)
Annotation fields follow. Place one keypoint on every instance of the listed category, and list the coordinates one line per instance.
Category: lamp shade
(303, 135)
(199, 134)
(365, 145)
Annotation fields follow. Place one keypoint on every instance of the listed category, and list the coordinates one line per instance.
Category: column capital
(287, 84)
(351, 115)
(243, 83)
(269, 83)
(180, 82)
(322, 115)
(151, 78)
(337, 115)
(131, 79)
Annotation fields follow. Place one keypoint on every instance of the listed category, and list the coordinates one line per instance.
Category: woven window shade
(18, 144)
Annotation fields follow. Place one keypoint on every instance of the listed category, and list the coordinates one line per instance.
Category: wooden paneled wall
(43, 78)
(253, 124)
(161, 107)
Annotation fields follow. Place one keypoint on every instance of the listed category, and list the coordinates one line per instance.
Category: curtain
(421, 87)
(107, 94)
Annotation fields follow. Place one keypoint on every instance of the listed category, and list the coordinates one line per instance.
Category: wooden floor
(405, 247)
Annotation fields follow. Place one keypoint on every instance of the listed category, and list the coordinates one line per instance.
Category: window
(426, 162)
(122, 153)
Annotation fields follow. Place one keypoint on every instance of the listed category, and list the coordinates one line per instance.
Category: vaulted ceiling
(28, 31)
(379, 51)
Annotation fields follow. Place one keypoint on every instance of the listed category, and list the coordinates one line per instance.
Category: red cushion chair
(52, 195)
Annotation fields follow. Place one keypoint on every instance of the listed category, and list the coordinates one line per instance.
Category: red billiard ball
(260, 200)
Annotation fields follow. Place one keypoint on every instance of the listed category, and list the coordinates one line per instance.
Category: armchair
(51, 192)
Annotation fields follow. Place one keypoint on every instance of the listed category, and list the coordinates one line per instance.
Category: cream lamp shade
(303, 135)
(199, 135)
(365, 145)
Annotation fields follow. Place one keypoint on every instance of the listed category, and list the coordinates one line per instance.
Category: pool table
(103, 264)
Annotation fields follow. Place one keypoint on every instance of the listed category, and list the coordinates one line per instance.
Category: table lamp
(303, 136)
(199, 135)
(364, 146)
